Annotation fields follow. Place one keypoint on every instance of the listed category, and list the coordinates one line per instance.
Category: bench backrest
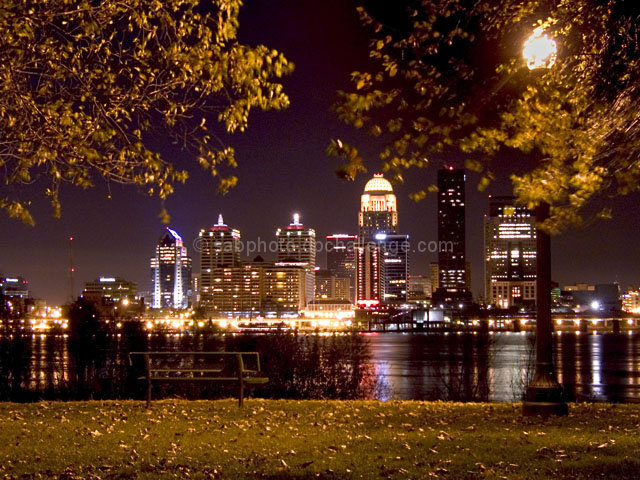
(200, 360)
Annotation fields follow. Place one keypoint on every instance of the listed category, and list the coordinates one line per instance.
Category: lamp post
(544, 394)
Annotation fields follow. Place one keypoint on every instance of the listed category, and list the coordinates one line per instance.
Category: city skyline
(283, 169)
(419, 262)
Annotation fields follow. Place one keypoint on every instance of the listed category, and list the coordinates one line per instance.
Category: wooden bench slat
(204, 370)
(253, 380)
(256, 380)
(212, 379)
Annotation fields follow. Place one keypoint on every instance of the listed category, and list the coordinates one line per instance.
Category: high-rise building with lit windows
(285, 290)
(297, 248)
(219, 254)
(170, 272)
(254, 289)
(510, 254)
(370, 280)
(452, 286)
(233, 291)
(394, 249)
(341, 259)
(382, 253)
(378, 209)
(219, 246)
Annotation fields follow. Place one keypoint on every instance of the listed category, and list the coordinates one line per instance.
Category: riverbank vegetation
(314, 439)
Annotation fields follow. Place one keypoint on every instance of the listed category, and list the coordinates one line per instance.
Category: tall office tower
(170, 272)
(452, 288)
(510, 254)
(395, 256)
(297, 247)
(378, 209)
(370, 274)
(219, 248)
(341, 259)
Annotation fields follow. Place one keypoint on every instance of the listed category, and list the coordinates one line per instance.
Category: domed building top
(378, 184)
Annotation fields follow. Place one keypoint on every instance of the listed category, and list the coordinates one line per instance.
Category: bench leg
(240, 379)
(147, 364)
(148, 393)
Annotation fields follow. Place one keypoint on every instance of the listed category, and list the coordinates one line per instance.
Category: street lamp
(543, 395)
(539, 51)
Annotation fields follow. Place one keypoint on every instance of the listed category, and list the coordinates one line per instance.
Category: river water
(603, 367)
(420, 366)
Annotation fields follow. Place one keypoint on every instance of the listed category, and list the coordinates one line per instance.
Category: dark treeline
(95, 365)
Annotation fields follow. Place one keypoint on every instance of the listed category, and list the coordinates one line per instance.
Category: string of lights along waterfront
(365, 282)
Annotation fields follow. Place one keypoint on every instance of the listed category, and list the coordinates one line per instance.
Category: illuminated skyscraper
(510, 254)
(370, 280)
(297, 247)
(341, 259)
(219, 246)
(170, 272)
(297, 243)
(378, 209)
(219, 251)
(395, 257)
(382, 254)
(452, 288)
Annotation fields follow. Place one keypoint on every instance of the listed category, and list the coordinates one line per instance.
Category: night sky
(283, 169)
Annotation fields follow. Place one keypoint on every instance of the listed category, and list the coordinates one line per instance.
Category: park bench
(201, 367)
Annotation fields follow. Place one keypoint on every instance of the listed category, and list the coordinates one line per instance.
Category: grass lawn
(314, 439)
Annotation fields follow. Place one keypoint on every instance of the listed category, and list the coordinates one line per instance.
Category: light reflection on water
(603, 367)
(462, 367)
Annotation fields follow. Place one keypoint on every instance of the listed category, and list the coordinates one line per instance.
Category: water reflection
(461, 367)
(473, 367)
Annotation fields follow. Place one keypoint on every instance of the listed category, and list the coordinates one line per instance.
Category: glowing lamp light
(539, 51)
(595, 305)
